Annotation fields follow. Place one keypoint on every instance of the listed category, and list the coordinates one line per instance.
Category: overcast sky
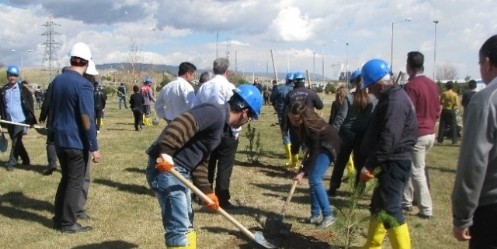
(301, 33)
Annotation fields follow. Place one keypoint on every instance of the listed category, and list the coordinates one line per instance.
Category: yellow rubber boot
(350, 166)
(288, 154)
(146, 120)
(399, 237)
(191, 237)
(294, 164)
(376, 234)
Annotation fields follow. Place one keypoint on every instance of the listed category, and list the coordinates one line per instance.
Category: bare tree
(134, 60)
(446, 72)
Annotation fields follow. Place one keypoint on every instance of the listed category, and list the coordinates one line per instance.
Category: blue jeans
(175, 202)
(319, 198)
(122, 100)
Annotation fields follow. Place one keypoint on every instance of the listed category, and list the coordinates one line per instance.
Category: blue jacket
(279, 98)
(66, 112)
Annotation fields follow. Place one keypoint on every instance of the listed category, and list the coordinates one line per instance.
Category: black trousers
(83, 198)
(51, 155)
(483, 230)
(223, 158)
(447, 117)
(351, 142)
(73, 163)
(51, 151)
(138, 119)
(387, 196)
(16, 133)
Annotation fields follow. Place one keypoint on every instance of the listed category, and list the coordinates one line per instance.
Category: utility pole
(314, 63)
(217, 45)
(347, 62)
(435, 52)
(50, 56)
(228, 45)
(322, 68)
(236, 61)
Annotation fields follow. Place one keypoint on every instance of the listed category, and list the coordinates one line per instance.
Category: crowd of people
(381, 128)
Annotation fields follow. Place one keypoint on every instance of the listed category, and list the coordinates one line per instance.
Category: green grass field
(127, 215)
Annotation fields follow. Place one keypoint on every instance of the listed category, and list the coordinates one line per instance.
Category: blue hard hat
(148, 79)
(298, 76)
(373, 71)
(13, 69)
(356, 74)
(289, 77)
(252, 97)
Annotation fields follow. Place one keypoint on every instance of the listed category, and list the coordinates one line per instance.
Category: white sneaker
(326, 222)
(315, 219)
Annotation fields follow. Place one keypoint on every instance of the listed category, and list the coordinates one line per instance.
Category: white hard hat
(91, 69)
(80, 50)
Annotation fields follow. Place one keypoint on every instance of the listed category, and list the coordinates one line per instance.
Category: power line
(50, 60)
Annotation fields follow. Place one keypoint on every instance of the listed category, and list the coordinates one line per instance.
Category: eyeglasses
(12, 75)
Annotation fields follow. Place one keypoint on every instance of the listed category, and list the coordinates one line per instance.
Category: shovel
(274, 224)
(258, 237)
(41, 130)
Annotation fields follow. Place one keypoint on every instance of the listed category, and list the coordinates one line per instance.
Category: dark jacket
(279, 98)
(136, 102)
(466, 98)
(301, 93)
(335, 107)
(45, 112)
(308, 96)
(121, 92)
(349, 118)
(392, 132)
(274, 93)
(27, 103)
(100, 99)
(317, 142)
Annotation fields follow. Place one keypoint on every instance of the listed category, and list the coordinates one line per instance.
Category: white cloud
(169, 31)
(291, 25)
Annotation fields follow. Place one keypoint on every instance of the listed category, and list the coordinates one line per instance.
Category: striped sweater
(191, 137)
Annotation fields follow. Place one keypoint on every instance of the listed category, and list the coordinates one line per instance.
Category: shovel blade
(259, 239)
(275, 225)
(42, 131)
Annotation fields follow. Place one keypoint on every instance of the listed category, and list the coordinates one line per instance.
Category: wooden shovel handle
(209, 201)
(289, 197)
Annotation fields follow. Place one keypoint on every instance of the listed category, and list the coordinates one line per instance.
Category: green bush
(329, 88)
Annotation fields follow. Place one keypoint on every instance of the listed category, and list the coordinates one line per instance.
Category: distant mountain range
(173, 70)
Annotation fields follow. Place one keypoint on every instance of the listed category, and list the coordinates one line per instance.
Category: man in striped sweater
(186, 144)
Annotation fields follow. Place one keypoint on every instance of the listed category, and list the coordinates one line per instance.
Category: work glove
(165, 163)
(214, 205)
(366, 174)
